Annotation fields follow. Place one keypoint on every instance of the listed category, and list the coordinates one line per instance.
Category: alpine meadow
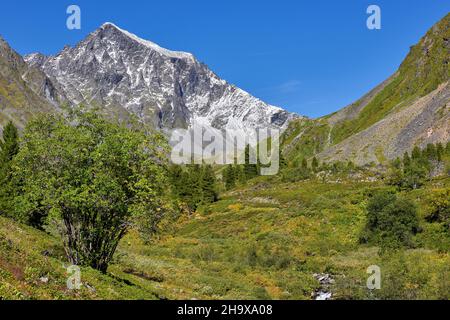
(93, 207)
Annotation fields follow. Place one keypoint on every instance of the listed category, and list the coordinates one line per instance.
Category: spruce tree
(315, 164)
(250, 170)
(239, 174)
(9, 147)
(229, 177)
(177, 178)
(304, 164)
(431, 152)
(406, 160)
(195, 184)
(208, 184)
(416, 153)
(439, 151)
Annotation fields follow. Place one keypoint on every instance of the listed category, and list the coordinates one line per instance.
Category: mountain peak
(109, 24)
(147, 43)
(116, 69)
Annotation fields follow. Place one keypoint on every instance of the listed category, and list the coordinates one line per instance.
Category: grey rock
(124, 74)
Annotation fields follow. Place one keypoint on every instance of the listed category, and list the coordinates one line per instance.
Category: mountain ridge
(24, 90)
(116, 69)
(371, 130)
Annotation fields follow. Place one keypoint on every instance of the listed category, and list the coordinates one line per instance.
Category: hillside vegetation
(365, 187)
(408, 109)
(422, 71)
(266, 240)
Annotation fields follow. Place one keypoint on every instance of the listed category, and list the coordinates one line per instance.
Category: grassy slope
(304, 138)
(18, 98)
(423, 70)
(425, 67)
(263, 241)
(27, 255)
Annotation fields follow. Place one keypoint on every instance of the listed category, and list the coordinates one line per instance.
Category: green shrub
(92, 176)
(391, 221)
(296, 174)
(440, 207)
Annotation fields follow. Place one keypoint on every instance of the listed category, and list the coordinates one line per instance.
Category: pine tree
(229, 177)
(9, 147)
(416, 153)
(304, 164)
(351, 165)
(406, 160)
(250, 170)
(439, 151)
(414, 175)
(208, 184)
(239, 175)
(397, 163)
(195, 186)
(315, 164)
(177, 179)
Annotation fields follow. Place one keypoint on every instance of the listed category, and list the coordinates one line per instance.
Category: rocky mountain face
(123, 74)
(24, 90)
(410, 108)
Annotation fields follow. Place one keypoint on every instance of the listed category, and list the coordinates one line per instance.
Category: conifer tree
(439, 151)
(9, 147)
(208, 184)
(406, 160)
(229, 177)
(430, 152)
(304, 164)
(416, 153)
(315, 164)
(250, 170)
(239, 175)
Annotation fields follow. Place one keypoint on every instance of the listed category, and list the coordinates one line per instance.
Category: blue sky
(309, 57)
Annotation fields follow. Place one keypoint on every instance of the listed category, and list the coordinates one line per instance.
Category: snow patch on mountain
(117, 70)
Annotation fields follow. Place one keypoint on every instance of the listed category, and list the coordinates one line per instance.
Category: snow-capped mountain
(117, 70)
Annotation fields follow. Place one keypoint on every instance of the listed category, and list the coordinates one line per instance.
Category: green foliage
(414, 176)
(304, 164)
(9, 147)
(264, 242)
(391, 221)
(406, 159)
(240, 174)
(413, 171)
(315, 164)
(439, 203)
(93, 178)
(208, 185)
(250, 169)
(194, 184)
(422, 71)
(10, 144)
(295, 174)
(304, 138)
(229, 177)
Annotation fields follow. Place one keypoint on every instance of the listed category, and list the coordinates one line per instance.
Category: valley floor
(269, 240)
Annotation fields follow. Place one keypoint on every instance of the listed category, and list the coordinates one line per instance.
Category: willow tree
(95, 178)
